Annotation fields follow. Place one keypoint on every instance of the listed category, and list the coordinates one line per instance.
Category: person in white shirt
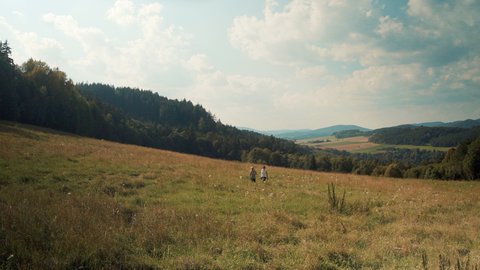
(264, 174)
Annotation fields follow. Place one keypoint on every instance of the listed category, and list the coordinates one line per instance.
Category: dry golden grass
(69, 202)
(357, 144)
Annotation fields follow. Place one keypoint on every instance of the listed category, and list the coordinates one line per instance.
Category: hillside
(469, 123)
(34, 93)
(69, 202)
(422, 135)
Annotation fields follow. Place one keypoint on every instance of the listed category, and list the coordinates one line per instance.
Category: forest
(422, 135)
(350, 133)
(36, 94)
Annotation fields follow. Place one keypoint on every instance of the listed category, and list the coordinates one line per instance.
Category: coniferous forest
(36, 94)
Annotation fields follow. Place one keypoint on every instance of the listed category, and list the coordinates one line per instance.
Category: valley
(360, 144)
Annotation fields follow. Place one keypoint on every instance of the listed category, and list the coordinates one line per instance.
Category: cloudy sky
(283, 64)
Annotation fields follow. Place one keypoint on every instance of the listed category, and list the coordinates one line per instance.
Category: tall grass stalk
(334, 202)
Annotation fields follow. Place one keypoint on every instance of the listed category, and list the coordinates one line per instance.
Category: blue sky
(282, 64)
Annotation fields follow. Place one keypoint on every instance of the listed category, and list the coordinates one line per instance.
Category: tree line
(350, 133)
(421, 135)
(34, 93)
(460, 163)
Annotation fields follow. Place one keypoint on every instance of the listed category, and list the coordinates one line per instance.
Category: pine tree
(8, 78)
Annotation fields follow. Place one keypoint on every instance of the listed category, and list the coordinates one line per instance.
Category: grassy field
(359, 144)
(68, 202)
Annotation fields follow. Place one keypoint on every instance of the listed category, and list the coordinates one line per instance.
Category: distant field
(359, 144)
(68, 202)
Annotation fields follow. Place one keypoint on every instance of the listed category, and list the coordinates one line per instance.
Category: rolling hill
(70, 202)
(300, 134)
(469, 123)
(423, 135)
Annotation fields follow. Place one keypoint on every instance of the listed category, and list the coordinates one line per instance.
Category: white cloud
(381, 81)
(122, 12)
(337, 3)
(69, 26)
(259, 38)
(152, 57)
(18, 14)
(219, 90)
(358, 32)
(311, 72)
(344, 52)
(420, 8)
(198, 62)
(389, 26)
(282, 37)
(33, 45)
(238, 98)
(150, 19)
(461, 79)
(364, 88)
(87, 36)
(93, 41)
(36, 45)
(426, 55)
(457, 20)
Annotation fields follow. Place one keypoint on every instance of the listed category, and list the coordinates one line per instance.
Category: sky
(267, 65)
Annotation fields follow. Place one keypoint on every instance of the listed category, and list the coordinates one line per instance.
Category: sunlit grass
(69, 202)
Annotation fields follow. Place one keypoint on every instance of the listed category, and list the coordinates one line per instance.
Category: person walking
(253, 174)
(264, 174)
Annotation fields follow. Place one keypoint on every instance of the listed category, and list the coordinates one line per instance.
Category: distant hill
(309, 133)
(449, 134)
(469, 123)
(277, 133)
(430, 124)
(298, 134)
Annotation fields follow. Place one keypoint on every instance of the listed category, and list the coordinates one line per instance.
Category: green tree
(312, 163)
(394, 170)
(63, 106)
(471, 163)
(323, 163)
(8, 80)
(342, 164)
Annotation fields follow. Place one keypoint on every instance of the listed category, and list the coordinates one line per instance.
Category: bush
(378, 171)
(394, 170)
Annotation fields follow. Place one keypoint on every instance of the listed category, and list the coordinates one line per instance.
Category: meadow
(360, 144)
(68, 202)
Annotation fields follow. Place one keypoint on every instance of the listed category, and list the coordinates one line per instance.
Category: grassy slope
(67, 201)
